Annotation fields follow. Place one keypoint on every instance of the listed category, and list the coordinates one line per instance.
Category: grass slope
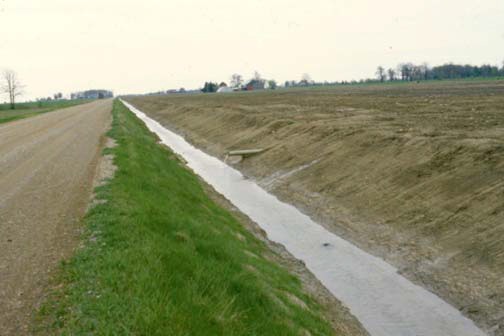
(25, 110)
(161, 258)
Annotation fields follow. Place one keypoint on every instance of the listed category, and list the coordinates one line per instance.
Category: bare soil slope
(47, 164)
(413, 173)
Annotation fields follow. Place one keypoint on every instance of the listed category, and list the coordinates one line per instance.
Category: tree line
(402, 72)
(238, 83)
(418, 72)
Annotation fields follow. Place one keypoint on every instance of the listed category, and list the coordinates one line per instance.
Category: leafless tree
(236, 80)
(425, 68)
(406, 71)
(380, 73)
(391, 74)
(416, 72)
(12, 86)
(306, 80)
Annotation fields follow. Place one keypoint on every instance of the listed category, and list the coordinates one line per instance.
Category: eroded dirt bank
(412, 173)
(47, 165)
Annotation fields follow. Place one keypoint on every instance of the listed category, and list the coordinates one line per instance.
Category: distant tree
(257, 76)
(380, 74)
(12, 86)
(287, 84)
(210, 87)
(58, 95)
(425, 71)
(416, 73)
(236, 80)
(272, 84)
(400, 71)
(391, 74)
(406, 71)
(305, 80)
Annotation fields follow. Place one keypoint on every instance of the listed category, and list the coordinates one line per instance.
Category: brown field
(413, 173)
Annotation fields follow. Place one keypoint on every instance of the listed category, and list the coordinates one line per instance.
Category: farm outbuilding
(224, 89)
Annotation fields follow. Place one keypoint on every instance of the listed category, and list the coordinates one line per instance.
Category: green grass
(162, 258)
(25, 110)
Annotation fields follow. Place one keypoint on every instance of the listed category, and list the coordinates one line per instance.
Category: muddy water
(386, 303)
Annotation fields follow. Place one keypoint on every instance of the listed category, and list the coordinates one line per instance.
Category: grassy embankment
(161, 258)
(25, 110)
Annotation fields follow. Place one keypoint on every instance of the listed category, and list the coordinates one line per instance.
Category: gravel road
(47, 166)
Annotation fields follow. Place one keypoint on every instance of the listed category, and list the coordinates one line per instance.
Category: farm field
(25, 110)
(413, 173)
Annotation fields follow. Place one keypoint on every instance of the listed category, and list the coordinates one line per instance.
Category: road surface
(47, 165)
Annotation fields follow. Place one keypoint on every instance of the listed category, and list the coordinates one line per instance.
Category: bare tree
(306, 79)
(400, 70)
(391, 74)
(416, 73)
(425, 69)
(12, 86)
(236, 80)
(406, 70)
(257, 76)
(380, 73)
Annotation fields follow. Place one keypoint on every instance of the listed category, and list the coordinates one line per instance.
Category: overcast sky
(148, 45)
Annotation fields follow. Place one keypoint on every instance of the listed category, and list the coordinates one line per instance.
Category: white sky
(149, 45)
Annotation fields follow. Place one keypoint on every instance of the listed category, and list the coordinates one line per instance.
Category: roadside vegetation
(25, 110)
(161, 258)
